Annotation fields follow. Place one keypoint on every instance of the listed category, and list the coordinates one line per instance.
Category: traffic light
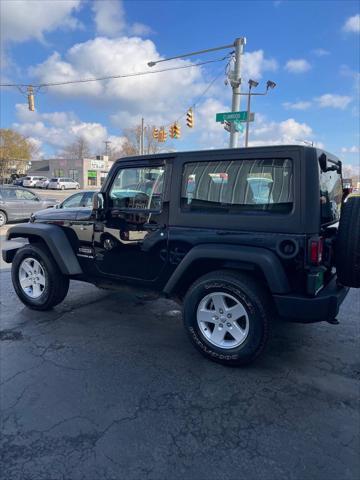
(155, 133)
(31, 101)
(190, 118)
(162, 135)
(176, 130)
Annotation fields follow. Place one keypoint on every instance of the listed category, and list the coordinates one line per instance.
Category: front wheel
(37, 279)
(227, 317)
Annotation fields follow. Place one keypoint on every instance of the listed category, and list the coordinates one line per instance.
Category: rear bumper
(322, 307)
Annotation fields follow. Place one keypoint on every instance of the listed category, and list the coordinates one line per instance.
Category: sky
(311, 49)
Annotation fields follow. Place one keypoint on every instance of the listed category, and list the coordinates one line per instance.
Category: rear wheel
(3, 218)
(62, 187)
(227, 316)
(348, 244)
(37, 279)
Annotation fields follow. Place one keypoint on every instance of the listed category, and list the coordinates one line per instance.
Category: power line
(110, 77)
(199, 98)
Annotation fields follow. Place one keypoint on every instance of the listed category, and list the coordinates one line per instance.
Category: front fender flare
(54, 238)
(262, 258)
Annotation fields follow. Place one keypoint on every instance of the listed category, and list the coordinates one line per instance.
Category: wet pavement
(107, 386)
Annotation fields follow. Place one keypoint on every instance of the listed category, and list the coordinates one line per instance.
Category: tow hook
(333, 321)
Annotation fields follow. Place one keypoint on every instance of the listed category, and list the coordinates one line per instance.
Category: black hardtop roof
(223, 151)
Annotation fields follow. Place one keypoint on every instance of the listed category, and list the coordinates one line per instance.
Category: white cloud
(58, 129)
(352, 24)
(152, 94)
(349, 170)
(212, 134)
(297, 66)
(264, 132)
(109, 17)
(353, 149)
(110, 20)
(301, 105)
(333, 101)
(320, 52)
(255, 63)
(23, 20)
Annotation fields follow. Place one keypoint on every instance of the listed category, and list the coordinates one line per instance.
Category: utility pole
(142, 137)
(107, 143)
(235, 83)
(235, 79)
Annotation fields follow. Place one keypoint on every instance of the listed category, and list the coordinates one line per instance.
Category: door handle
(153, 226)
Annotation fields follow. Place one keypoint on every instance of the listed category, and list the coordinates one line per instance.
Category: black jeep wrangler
(238, 236)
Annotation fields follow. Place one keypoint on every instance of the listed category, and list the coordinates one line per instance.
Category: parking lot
(107, 386)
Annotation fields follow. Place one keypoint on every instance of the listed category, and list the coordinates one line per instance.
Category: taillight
(316, 250)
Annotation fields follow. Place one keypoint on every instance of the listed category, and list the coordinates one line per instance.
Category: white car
(32, 180)
(43, 183)
(62, 183)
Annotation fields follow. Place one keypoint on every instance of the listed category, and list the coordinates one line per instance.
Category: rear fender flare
(262, 258)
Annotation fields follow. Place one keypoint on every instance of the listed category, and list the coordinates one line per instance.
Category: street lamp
(270, 85)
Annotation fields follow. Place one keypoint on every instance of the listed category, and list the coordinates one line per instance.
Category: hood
(52, 214)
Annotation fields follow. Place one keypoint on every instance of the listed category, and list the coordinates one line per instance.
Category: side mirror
(98, 201)
(323, 162)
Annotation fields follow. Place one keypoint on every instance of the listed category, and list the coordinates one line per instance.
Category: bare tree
(131, 146)
(77, 150)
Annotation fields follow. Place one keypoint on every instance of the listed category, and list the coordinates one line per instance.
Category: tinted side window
(25, 195)
(73, 201)
(236, 186)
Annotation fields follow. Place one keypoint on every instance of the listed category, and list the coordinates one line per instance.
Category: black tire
(3, 218)
(56, 285)
(254, 299)
(348, 244)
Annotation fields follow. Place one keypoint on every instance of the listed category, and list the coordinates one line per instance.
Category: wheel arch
(260, 263)
(53, 237)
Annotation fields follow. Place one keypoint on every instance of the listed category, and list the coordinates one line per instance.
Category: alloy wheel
(223, 320)
(32, 277)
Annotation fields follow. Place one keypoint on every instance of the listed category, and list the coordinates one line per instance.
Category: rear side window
(331, 192)
(237, 186)
(54, 180)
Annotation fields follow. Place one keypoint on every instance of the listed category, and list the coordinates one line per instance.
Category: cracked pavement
(107, 386)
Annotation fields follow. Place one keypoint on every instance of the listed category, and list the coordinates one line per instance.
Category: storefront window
(74, 174)
(59, 173)
(92, 178)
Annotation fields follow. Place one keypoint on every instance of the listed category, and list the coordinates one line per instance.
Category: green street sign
(239, 127)
(231, 116)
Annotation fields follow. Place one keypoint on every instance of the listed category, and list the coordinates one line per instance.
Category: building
(89, 172)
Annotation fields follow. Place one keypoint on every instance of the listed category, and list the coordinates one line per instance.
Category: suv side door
(131, 241)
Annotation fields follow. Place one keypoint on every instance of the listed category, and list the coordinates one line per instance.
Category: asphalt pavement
(107, 386)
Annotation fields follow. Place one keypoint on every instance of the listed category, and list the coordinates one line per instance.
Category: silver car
(17, 203)
(43, 183)
(62, 183)
(30, 181)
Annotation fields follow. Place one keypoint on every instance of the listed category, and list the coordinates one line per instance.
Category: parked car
(18, 181)
(17, 203)
(80, 200)
(63, 183)
(30, 181)
(43, 183)
(206, 229)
